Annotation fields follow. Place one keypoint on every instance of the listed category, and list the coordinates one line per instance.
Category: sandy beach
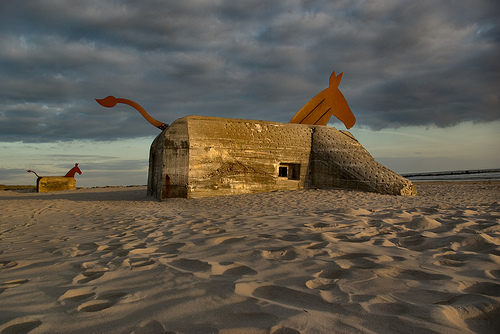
(111, 260)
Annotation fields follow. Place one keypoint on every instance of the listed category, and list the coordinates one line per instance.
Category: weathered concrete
(55, 183)
(209, 156)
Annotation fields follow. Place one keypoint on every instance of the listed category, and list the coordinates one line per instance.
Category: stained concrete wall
(208, 156)
(169, 162)
(55, 183)
(338, 160)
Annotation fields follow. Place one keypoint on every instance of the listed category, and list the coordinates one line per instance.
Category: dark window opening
(290, 171)
(283, 171)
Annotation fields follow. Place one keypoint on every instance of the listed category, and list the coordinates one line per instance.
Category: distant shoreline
(456, 172)
(458, 175)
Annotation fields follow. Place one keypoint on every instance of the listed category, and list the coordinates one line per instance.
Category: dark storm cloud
(404, 62)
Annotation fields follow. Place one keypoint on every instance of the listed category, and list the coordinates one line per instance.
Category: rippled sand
(112, 260)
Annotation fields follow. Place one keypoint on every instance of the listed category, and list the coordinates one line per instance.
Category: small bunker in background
(209, 156)
(55, 183)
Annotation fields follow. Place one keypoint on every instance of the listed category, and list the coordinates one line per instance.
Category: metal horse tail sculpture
(327, 103)
(111, 101)
(32, 171)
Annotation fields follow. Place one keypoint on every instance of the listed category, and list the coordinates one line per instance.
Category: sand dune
(112, 260)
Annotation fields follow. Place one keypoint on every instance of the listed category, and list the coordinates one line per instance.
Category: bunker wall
(230, 156)
(338, 160)
(55, 183)
(209, 156)
(169, 162)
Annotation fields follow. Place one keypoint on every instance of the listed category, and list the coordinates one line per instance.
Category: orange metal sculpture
(73, 171)
(317, 111)
(327, 103)
(57, 183)
(111, 101)
(70, 173)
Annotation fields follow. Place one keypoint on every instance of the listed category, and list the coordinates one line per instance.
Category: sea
(457, 175)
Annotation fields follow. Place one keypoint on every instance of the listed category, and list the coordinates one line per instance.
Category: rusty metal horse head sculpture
(73, 171)
(327, 103)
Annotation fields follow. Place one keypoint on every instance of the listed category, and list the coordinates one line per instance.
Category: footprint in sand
(95, 305)
(280, 253)
(172, 248)
(134, 245)
(315, 249)
(14, 283)
(411, 239)
(326, 283)
(150, 327)
(101, 302)
(317, 245)
(418, 275)
(320, 226)
(283, 330)
(495, 274)
(359, 261)
(158, 236)
(188, 265)
(231, 269)
(388, 308)
(76, 295)
(423, 223)
(21, 325)
(109, 247)
(452, 259)
(138, 262)
(472, 306)
(8, 264)
(228, 240)
(286, 297)
(320, 284)
(334, 236)
(333, 273)
(484, 288)
(213, 230)
(383, 242)
(90, 271)
(289, 237)
(84, 249)
(480, 243)
(111, 295)
(145, 250)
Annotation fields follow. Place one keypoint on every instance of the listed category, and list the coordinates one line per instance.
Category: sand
(111, 260)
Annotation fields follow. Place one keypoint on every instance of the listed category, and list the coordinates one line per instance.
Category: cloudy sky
(421, 77)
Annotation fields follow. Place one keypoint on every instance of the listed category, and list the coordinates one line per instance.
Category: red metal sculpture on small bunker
(55, 183)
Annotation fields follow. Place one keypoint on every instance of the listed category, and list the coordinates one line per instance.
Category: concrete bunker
(209, 156)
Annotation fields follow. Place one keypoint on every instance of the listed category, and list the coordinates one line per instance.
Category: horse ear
(335, 80)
